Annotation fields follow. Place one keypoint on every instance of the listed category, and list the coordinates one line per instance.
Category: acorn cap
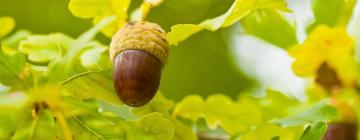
(146, 36)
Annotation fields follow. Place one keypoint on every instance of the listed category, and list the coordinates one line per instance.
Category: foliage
(60, 87)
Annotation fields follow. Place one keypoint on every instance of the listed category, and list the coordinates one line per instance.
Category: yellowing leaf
(155, 124)
(238, 10)
(7, 24)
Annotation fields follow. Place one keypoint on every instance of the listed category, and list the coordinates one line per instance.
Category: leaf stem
(145, 9)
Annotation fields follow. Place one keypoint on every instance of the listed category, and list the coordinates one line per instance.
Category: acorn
(139, 51)
(341, 131)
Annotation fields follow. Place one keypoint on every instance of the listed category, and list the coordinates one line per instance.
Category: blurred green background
(200, 65)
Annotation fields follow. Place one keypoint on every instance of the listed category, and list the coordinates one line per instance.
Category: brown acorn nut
(139, 50)
(341, 131)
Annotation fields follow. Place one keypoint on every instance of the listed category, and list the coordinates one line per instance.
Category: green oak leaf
(190, 107)
(155, 124)
(315, 131)
(98, 9)
(13, 71)
(97, 126)
(242, 115)
(61, 69)
(270, 26)
(238, 10)
(272, 105)
(9, 106)
(96, 58)
(7, 24)
(158, 104)
(91, 84)
(215, 109)
(43, 126)
(332, 13)
(321, 111)
(220, 110)
(10, 44)
(269, 132)
(182, 131)
(44, 48)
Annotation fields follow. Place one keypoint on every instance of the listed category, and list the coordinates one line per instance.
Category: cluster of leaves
(61, 87)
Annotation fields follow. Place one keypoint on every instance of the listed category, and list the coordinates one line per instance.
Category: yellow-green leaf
(89, 8)
(43, 48)
(191, 107)
(270, 26)
(7, 24)
(238, 10)
(158, 104)
(269, 132)
(182, 31)
(155, 124)
(98, 9)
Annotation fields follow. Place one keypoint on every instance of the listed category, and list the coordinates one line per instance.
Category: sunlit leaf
(332, 13)
(10, 44)
(154, 2)
(322, 111)
(182, 132)
(65, 67)
(269, 132)
(238, 10)
(269, 25)
(155, 124)
(191, 107)
(43, 126)
(158, 104)
(272, 105)
(96, 58)
(242, 116)
(89, 8)
(96, 126)
(7, 24)
(314, 132)
(12, 70)
(44, 48)
(182, 31)
(98, 9)
(10, 104)
(91, 84)
(215, 109)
